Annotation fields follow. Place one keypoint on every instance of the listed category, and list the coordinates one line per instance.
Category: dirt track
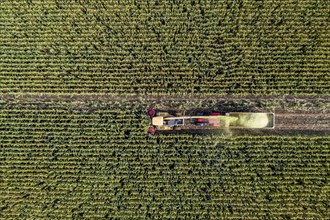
(288, 122)
(303, 121)
(302, 124)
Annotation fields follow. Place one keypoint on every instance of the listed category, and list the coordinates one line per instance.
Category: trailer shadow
(208, 106)
(225, 107)
(219, 106)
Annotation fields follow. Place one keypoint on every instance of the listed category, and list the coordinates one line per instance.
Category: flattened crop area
(165, 47)
(93, 160)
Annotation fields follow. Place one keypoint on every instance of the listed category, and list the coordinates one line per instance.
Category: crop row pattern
(98, 163)
(165, 47)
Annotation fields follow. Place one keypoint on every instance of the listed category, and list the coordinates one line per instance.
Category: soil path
(302, 121)
(302, 124)
(286, 123)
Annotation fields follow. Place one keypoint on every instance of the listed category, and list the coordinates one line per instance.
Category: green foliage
(93, 160)
(165, 47)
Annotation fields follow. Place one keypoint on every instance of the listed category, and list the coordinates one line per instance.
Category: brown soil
(303, 121)
(297, 124)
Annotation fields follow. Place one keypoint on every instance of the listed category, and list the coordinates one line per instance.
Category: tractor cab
(176, 122)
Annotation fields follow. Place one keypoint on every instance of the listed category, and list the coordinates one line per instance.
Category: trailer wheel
(151, 112)
(151, 130)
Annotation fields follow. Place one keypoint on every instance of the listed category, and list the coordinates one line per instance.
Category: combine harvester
(161, 121)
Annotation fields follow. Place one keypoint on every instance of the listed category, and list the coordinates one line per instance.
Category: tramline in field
(160, 121)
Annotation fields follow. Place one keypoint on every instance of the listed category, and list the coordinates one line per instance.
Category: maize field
(176, 47)
(76, 80)
(61, 161)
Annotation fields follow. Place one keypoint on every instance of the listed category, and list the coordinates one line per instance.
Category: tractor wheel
(151, 130)
(151, 112)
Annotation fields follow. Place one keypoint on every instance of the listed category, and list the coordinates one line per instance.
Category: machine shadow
(221, 106)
